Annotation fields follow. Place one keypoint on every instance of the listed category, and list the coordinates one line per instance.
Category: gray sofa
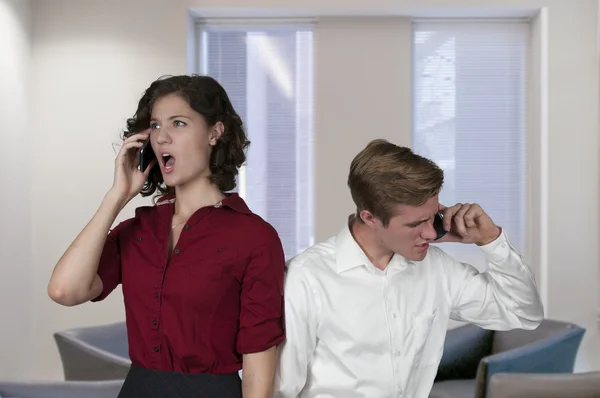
(60, 389)
(539, 385)
(473, 355)
(94, 353)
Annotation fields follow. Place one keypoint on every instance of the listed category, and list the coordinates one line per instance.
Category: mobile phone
(146, 155)
(438, 224)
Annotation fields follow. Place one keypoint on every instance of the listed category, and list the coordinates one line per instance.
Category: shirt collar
(231, 200)
(235, 202)
(348, 254)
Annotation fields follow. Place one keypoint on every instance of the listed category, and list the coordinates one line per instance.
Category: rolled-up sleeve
(262, 310)
(109, 268)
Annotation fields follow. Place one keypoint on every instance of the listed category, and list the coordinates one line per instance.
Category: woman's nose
(162, 135)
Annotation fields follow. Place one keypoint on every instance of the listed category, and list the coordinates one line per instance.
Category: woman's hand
(128, 179)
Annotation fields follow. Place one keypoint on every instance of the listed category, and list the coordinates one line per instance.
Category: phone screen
(146, 155)
(438, 224)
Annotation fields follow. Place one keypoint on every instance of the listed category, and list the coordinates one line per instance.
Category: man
(367, 310)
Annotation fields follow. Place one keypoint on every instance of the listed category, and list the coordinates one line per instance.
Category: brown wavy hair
(384, 175)
(207, 97)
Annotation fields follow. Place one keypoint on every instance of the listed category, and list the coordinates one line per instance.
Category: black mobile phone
(438, 224)
(146, 155)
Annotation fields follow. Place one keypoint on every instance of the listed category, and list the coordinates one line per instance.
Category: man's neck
(370, 244)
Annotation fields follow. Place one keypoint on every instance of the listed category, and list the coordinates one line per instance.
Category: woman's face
(181, 140)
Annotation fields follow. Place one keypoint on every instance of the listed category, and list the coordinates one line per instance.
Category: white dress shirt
(353, 330)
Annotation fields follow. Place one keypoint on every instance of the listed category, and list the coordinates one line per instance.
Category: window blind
(267, 70)
(469, 104)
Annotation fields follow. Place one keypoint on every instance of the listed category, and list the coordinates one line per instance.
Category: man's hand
(468, 223)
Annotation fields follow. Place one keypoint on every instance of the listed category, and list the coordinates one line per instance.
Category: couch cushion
(453, 389)
(463, 349)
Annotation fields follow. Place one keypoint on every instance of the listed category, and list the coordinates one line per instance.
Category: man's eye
(154, 126)
(179, 123)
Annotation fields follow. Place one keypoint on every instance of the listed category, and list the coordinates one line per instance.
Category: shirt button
(187, 226)
(394, 315)
(177, 251)
(154, 322)
(155, 295)
(140, 238)
(155, 349)
(503, 245)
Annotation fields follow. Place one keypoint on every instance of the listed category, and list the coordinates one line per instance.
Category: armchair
(94, 353)
(60, 389)
(473, 355)
(533, 385)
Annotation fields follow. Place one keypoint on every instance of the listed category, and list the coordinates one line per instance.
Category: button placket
(391, 309)
(155, 316)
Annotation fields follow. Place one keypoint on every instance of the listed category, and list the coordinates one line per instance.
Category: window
(267, 70)
(469, 104)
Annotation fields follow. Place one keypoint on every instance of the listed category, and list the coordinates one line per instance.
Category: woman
(202, 276)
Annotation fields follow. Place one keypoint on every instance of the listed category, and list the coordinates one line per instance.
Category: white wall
(15, 206)
(92, 59)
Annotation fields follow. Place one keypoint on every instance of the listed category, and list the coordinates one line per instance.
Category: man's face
(410, 230)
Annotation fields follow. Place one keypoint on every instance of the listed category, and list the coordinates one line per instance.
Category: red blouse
(218, 297)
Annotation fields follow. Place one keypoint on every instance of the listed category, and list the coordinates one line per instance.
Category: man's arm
(502, 298)
(295, 354)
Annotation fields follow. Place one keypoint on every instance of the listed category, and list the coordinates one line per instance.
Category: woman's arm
(74, 279)
(258, 372)
(262, 323)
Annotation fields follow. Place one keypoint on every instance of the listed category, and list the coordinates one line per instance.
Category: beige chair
(537, 385)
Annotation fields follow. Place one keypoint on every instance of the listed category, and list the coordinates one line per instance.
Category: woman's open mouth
(168, 161)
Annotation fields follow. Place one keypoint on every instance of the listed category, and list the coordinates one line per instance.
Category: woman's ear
(215, 133)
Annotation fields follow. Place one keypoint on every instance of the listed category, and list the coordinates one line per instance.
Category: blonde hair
(384, 175)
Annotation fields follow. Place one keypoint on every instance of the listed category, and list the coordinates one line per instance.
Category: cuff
(498, 249)
(103, 294)
(261, 337)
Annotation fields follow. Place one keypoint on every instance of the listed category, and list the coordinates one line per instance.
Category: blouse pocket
(213, 263)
